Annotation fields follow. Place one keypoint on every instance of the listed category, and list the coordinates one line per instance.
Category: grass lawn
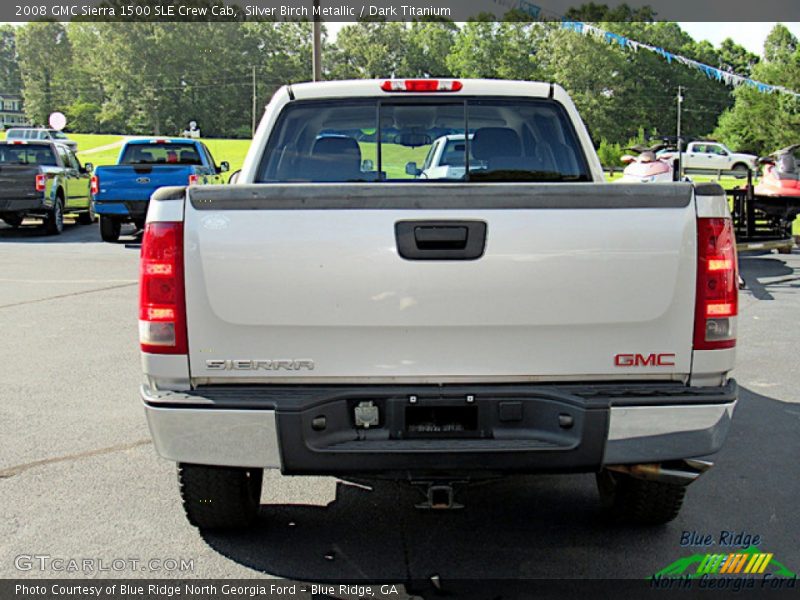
(393, 157)
(231, 150)
(88, 141)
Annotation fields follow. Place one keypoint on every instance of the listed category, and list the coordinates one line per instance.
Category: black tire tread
(50, 223)
(643, 502)
(110, 229)
(85, 218)
(219, 498)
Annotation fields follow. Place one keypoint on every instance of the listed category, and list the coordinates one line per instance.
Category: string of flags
(726, 77)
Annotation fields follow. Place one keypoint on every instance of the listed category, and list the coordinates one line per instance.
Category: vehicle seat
(335, 159)
(190, 157)
(562, 155)
(141, 156)
(500, 148)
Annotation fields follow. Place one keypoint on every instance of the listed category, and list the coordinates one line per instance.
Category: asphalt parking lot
(79, 477)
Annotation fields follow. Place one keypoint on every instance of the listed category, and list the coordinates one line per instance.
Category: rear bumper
(135, 209)
(521, 428)
(23, 205)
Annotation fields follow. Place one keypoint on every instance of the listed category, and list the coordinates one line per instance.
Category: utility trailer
(760, 222)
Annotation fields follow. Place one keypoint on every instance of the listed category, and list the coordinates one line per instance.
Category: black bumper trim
(589, 395)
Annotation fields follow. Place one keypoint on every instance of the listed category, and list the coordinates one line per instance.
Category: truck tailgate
(304, 282)
(138, 182)
(18, 182)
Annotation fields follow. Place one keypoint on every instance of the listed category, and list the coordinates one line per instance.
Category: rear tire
(219, 498)
(110, 229)
(54, 222)
(639, 501)
(741, 170)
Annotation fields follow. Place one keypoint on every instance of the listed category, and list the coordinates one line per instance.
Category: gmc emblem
(640, 360)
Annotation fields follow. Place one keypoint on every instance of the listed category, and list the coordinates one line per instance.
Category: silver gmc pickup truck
(332, 313)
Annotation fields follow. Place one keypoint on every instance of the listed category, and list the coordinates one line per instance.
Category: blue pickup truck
(121, 193)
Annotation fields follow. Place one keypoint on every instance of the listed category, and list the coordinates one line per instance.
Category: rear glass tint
(478, 139)
(24, 154)
(154, 154)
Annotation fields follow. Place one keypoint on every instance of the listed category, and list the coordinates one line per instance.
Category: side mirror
(411, 169)
(234, 176)
(88, 167)
(224, 166)
(367, 165)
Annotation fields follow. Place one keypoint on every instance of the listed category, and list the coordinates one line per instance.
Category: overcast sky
(749, 35)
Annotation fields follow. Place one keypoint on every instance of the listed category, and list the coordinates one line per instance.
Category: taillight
(193, 179)
(421, 85)
(41, 182)
(94, 186)
(162, 304)
(717, 285)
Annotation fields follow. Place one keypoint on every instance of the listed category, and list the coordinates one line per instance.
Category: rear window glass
(23, 154)
(14, 134)
(442, 140)
(153, 154)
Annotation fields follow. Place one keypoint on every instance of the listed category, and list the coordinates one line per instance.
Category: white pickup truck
(332, 314)
(713, 156)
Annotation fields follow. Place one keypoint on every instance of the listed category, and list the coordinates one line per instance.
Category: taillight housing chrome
(421, 85)
(162, 301)
(41, 182)
(94, 185)
(717, 301)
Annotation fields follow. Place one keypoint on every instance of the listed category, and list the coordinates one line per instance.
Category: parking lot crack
(70, 295)
(16, 470)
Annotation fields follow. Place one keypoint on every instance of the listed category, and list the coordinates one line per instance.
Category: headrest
(336, 146)
(493, 142)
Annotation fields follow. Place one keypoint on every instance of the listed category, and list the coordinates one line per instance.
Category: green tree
(10, 81)
(762, 122)
(735, 58)
(368, 49)
(428, 43)
(45, 55)
(509, 49)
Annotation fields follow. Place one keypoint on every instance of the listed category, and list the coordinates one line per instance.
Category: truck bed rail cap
(174, 192)
(709, 189)
(393, 196)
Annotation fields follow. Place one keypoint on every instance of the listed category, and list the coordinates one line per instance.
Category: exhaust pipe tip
(679, 472)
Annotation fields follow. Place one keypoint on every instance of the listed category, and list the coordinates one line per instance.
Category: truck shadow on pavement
(31, 232)
(531, 526)
(764, 272)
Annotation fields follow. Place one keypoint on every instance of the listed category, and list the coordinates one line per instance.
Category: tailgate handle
(440, 240)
